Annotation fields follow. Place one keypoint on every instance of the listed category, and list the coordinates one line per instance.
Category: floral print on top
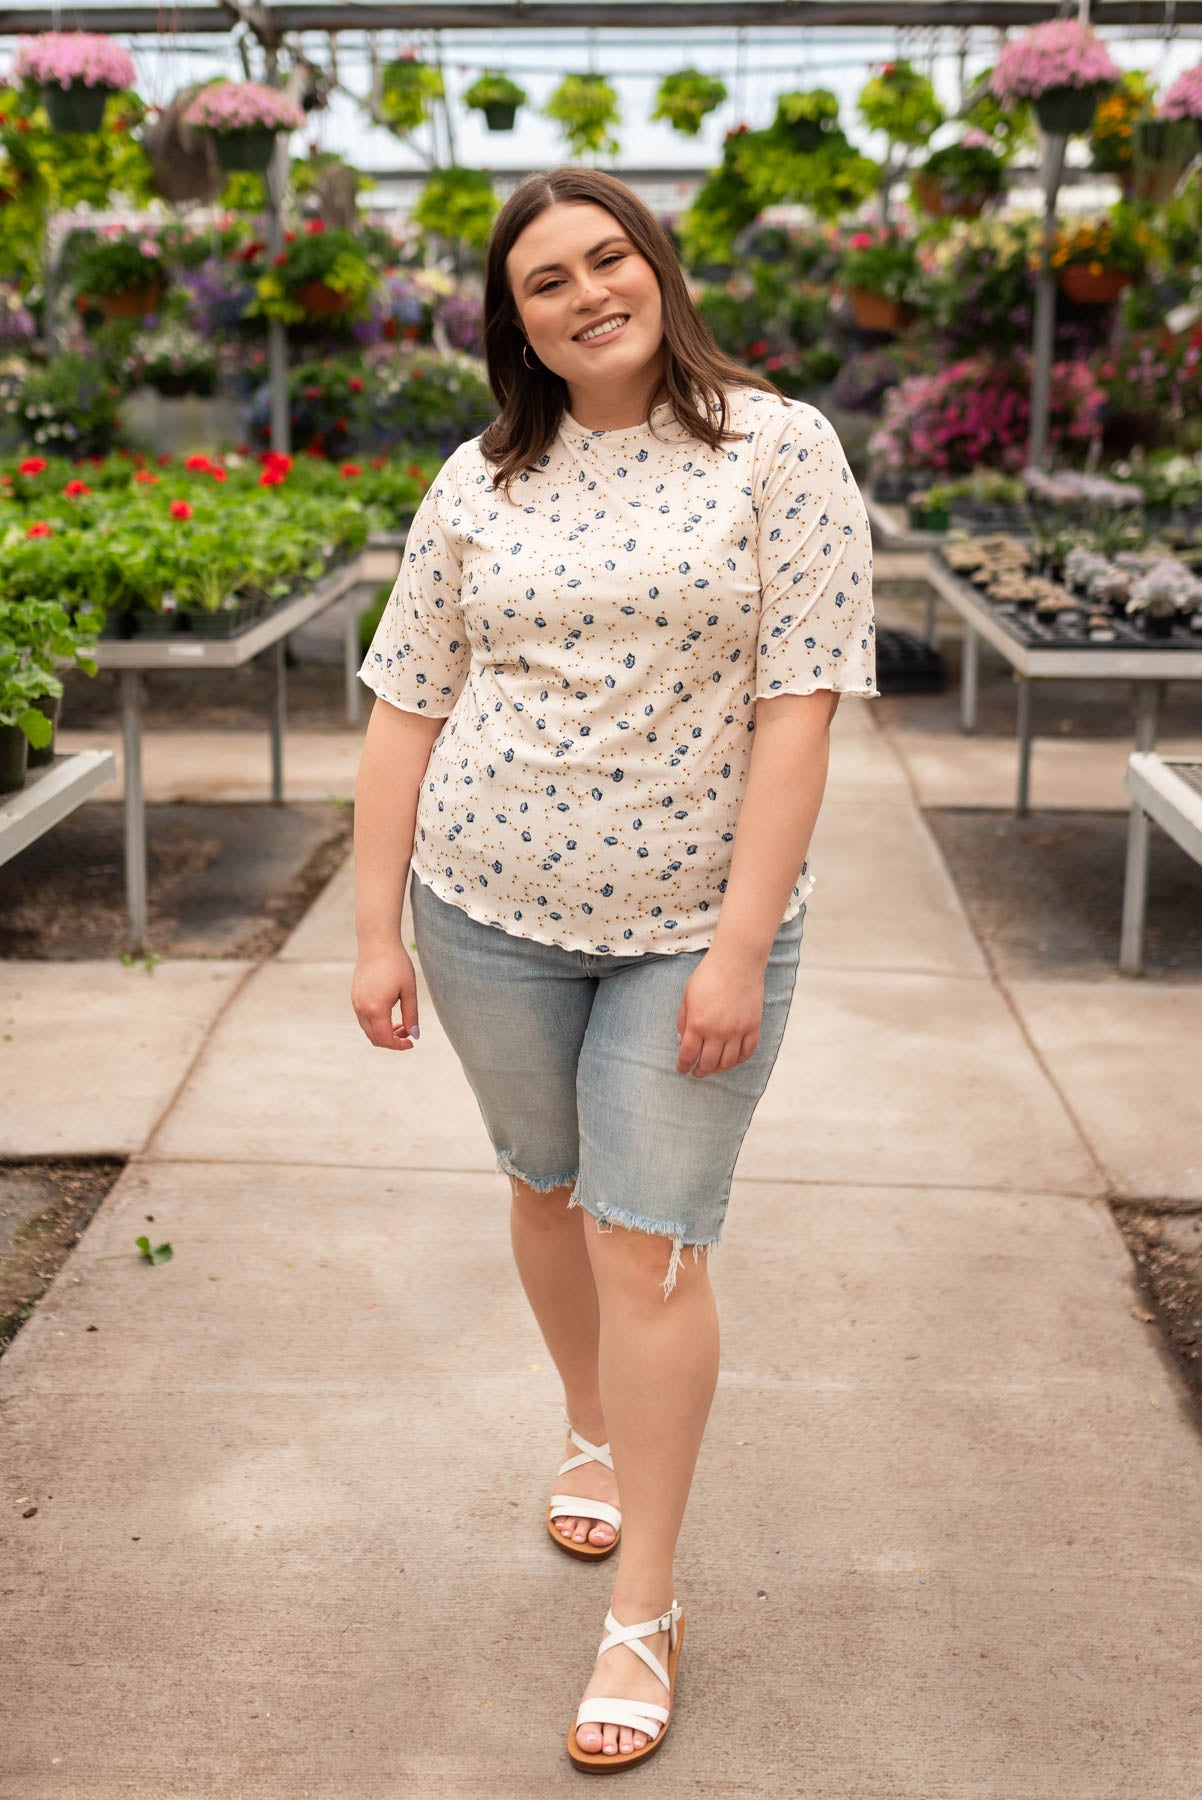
(597, 644)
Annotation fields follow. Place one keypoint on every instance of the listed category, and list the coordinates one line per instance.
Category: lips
(609, 317)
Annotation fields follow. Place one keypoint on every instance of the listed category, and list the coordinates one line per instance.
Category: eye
(613, 256)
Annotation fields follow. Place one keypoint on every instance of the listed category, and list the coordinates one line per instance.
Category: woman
(650, 561)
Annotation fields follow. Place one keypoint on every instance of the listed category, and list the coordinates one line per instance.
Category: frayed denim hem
(609, 1216)
(541, 1185)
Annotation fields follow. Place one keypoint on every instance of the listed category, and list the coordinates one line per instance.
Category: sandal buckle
(665, 1621)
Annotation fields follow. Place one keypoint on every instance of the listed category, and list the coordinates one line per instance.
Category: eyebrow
(543, 268)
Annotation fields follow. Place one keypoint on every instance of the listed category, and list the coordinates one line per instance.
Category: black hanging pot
(246, 152)
(75, 108)
(1064, 111)
(499, 116)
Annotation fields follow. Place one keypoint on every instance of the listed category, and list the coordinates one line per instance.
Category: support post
(969, 659)
(274, 182)
(1022, 804)
(279, 711)
(1045, 307)
(350, 651)
(136, 905)
(1135, 892)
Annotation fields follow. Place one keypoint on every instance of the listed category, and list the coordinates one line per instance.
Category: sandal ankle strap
(599, 1453)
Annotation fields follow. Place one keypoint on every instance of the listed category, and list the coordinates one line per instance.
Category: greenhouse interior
(243, 299)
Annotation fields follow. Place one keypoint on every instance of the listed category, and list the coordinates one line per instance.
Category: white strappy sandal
(577, 1507)
(638, 1715)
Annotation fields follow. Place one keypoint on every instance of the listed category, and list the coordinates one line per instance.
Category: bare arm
(396, 751)
(720, 1013)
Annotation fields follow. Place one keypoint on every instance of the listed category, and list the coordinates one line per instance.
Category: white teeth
(601, 330)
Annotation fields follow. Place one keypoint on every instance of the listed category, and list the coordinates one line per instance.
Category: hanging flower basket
(244, 120)
(75, 72)
(321, 301)
(497, 97)
(877, 312)
(134, 303)
(1067, 111)
(1161, 151)
(1093, 287)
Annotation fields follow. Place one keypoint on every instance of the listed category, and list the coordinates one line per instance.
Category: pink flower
(243, 106)
(59, 58)
(1184, 98)
(1059, 53)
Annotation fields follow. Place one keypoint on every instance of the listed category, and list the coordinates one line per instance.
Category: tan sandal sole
(596, 1762)
(586, 1552)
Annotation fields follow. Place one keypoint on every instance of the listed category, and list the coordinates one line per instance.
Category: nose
(591, 291)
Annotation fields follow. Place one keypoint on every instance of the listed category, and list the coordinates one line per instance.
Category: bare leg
(658, 1370)
(553, 1263)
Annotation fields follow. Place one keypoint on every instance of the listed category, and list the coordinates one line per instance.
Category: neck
(615, 408)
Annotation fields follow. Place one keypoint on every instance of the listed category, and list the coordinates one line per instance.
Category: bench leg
(136, 886)
(1135, 893)
(1022, 803)
(968, 680)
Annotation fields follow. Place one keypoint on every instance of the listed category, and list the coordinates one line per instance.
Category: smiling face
(571, 271)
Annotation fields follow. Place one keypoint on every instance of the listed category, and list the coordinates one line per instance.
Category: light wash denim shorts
(572, 1059)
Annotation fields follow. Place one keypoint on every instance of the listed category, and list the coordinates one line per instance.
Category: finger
(377, 1023)
(408, 1004)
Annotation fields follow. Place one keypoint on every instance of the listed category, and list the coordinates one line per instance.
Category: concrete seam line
(236, 987)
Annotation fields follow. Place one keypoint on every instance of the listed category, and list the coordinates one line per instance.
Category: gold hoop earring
(530, 365)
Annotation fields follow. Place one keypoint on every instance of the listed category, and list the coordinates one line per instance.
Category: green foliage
(685, 98)
(804, 114)
(51, 172)
(901, 103)
(406, 88)
(586, 108)
(883, 260)
(458, 203)
(70, 404)
(21, 683)
(493, 88)
(118, 265)
(339, 259)
(1009, 129)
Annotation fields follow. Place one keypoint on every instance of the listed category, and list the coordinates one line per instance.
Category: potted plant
(45, 633)
(805, 115)
(879, 274)
(406, 88)
(1096, 259)
(497, 97)
(1062, 67)
(76, 72)
(1113, 128)
(1163, 593)
(585, 107)
(685, 98)
(457, 203)
(243, 119)
(22, 723)
(1161, 150)
(122, 273)
(1184, 98)
(174, 360)
(318, 274)
(902, 103)
(956, 182)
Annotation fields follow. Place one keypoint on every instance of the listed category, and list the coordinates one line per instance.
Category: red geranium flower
(180, 509)
(315, 450)
(416, 472)
(76, 487)
(355, 385)
(217, 474)
(275, 459)
(348, 471)
(199, 465)
(272, 478)
(279, 260)
(162, 461)
(314, 227)
(41, 529)
(377, 462)
(312, 393)
(32, 465)
(146, 478)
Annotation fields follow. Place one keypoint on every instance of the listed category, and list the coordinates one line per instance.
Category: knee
(642, 1268)
(540, 1200)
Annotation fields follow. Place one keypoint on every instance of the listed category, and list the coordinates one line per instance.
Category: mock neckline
(658, 415)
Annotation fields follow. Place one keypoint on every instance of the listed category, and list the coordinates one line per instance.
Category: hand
(384, 977)
(720, 1014)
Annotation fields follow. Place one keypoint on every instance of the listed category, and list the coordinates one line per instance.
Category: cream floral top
(597, 644)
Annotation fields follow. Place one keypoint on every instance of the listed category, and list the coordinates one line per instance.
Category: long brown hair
(696, 374)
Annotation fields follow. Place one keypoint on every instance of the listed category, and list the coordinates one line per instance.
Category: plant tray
(1072, 633)
(906, 664)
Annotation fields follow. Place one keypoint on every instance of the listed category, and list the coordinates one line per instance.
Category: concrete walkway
(944, 1541)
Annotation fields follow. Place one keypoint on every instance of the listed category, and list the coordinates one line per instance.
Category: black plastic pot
(14, 758)
(150, 624)
(1063, 111)
(500, 116)
(247, 152)
(76, 108)
(227, 623)
(51, 706)
(1159, 625)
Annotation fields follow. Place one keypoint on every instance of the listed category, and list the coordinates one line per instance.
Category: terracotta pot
(876, 312)
(1080, 283)
(321, 301)
(943, 203)
(134, 303)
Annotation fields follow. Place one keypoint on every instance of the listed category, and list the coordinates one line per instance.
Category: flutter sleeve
(815, 563)
(419, 656)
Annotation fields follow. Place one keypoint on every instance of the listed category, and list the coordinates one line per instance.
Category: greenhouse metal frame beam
(560, 15)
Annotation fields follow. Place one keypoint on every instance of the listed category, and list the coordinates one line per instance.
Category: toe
(610, 1745)
(601, 1534)
(625, 1740)
(589, 1737)
(639, 1740)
